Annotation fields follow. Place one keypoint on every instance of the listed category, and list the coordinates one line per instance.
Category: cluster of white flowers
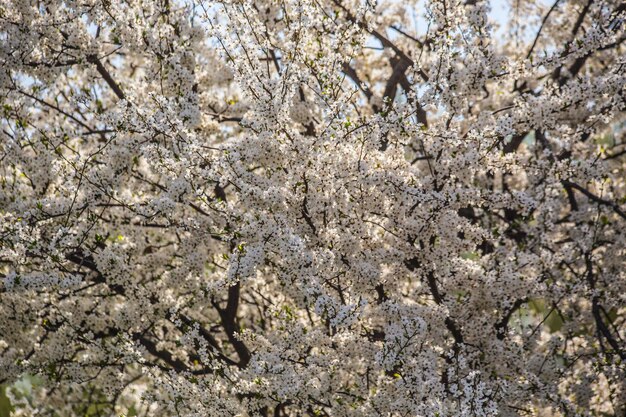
(313, 208)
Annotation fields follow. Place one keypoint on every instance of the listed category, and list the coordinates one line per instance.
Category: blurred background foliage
(5, 404)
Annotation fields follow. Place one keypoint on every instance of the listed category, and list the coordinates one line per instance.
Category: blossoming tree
(313, 207)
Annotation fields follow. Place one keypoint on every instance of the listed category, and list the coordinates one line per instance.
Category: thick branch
(596, 199)
(106, 75)
(228, 316)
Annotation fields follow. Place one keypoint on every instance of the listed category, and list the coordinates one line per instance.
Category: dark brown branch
(228, 316)
(382, 39)
(570, 196)
(209, 338)
(596, 310)
(581, 18)
(351, 73)
(543, 22)
(403, 33)
(63, 112)
(106, 75)
(164, 355)
(596, 199)
(413, 264)
(515, 143)
(503, 324)
(399, 67)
